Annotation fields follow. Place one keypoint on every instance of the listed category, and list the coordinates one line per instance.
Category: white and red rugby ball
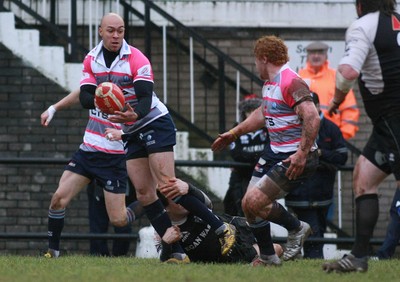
(109, 98)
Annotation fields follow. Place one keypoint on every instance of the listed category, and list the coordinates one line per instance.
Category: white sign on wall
(298, 54)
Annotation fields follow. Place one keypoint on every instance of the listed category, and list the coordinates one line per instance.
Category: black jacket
(317, 191)
(248, 149)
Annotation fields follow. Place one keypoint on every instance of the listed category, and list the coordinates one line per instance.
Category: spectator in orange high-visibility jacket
(321, 80)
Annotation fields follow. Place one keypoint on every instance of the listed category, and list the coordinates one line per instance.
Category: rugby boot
(272, 260)
(295, 241)
(178, 258)
(52, 254)
(348, 263)
(227, 238)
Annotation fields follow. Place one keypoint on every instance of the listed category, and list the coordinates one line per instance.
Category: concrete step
(50, 61)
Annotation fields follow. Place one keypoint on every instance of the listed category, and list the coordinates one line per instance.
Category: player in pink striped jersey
(292, 121)
(97, 159)
(149, 132)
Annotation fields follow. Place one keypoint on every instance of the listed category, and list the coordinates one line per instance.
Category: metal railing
(135, 236)
(203, 59)
(81, 236)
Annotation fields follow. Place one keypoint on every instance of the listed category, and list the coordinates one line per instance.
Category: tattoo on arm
(309, 132)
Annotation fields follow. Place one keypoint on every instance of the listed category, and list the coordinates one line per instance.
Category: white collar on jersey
(125, 50)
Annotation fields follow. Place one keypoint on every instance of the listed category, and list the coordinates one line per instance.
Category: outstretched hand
(47, 116)
(223, 140)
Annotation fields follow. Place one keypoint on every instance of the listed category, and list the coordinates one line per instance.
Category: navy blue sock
(160, 220)
(137, 208)
(120, 247)
(262, 232)
(134, 211)
(158, 217)
(196, 207)
(55, 227)
(281, 216)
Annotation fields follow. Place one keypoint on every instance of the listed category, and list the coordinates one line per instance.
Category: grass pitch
(102, 269)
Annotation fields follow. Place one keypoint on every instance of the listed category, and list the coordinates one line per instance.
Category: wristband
(233, 133)
(51, 110)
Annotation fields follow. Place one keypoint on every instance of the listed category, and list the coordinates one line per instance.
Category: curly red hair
(273, 48)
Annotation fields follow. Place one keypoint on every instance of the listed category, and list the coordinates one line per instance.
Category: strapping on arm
(300, 92)
(343, 84)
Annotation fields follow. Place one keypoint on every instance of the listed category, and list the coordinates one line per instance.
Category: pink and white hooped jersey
(284, 125)
(94, 139)
(129, 66)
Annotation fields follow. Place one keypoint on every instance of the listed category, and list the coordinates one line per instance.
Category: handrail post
(339, 196)
(73, 31)
(147, 30)
(53, 11)
(221, 94)
(125, 13)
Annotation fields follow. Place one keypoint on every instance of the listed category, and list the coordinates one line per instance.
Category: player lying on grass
(194, 234)
(222, 230)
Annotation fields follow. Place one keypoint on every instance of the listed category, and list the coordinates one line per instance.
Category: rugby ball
(109, 98)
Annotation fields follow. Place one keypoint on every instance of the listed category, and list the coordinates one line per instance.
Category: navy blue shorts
(109, 170)
(158, 136)
(383, 146)
(271, 165)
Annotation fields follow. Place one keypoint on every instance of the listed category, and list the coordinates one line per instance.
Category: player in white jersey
(372, 56)
(97, 159)
(292, 121)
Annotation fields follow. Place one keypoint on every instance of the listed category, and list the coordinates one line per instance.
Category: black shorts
(383, 146)
(157, 136)
(271, 165)
(109, 170)
(243, 250)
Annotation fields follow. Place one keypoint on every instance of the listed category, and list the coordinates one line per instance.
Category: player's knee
(362, 187)
(146, 197)
(118, 221)
(247, 207)
(244, 205)
(57, 202)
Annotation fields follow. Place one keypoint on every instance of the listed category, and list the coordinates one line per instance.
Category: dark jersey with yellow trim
(201, 243)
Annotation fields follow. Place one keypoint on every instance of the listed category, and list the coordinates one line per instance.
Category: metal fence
(134, 236)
